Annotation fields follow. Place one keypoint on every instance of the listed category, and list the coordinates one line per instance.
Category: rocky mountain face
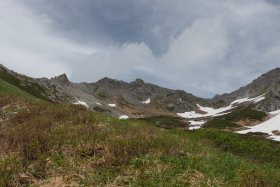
(140, 99)
(268, 84)
(135, 99)
(145, 96)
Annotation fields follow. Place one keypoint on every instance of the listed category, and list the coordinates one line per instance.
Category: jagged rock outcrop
(60, 80)
(139, 98)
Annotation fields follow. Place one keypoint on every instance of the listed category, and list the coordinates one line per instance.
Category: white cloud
(29, 46)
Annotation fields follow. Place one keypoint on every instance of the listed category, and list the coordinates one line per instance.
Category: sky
(205, 47)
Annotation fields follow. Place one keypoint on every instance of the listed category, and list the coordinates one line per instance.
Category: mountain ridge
(129, 97)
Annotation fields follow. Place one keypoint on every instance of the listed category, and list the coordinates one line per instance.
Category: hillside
(47, 144)
(268, 83)
(148, 102)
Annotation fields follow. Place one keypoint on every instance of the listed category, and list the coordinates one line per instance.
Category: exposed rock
(129, 97)
(61, 80)
(268, 83)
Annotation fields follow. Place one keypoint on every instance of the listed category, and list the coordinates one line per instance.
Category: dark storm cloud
(203, 46)
(119, 21)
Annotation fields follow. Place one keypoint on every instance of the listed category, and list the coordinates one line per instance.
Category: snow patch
(194, 128)
(123, 117)
(255, 99)
(212, 112)
(275, 138)
(112, 105)
(196, 124)
(98, 103)
(274, 112)
(268, 126)
(147, 101)
(81, 103)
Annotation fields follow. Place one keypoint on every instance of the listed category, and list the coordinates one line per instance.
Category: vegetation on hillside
(230, 120)
(167, 122)
(25, 84)
(57, 144)
(11, 89)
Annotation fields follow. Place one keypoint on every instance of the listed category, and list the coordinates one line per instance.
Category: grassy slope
(89, 149)
(24, 83)
(11, 89)
(229, 120)
(165, 121)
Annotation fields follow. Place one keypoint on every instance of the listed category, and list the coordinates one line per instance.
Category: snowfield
(212, 112)
(147, 101)
(123, 117)
(112, 105)
(268, 126)
(81, 103)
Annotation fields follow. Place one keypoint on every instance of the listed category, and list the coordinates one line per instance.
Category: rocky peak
(105, 80)
(111, 83)
(61, 79)
(137, 82)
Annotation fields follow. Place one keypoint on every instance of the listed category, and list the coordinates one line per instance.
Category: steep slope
(24, 83)
(268, 83)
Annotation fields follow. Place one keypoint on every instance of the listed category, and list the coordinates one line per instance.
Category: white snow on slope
(112, 105)
(147, 101)
(123, 117)
(196, 124)
(212, 112)
(268, 126)
(81, 103)
(274, 112)
(98, 103)
(194, 128)
(255, 99)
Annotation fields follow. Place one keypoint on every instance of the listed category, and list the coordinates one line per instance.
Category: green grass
(165, 121)
(229, 120)
(243, 114)
(24, 84)
(253, 148)
(11, 89)
(83, 148)
(219, 123)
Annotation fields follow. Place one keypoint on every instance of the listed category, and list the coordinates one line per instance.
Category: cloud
(29, 46)
(204, 47)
